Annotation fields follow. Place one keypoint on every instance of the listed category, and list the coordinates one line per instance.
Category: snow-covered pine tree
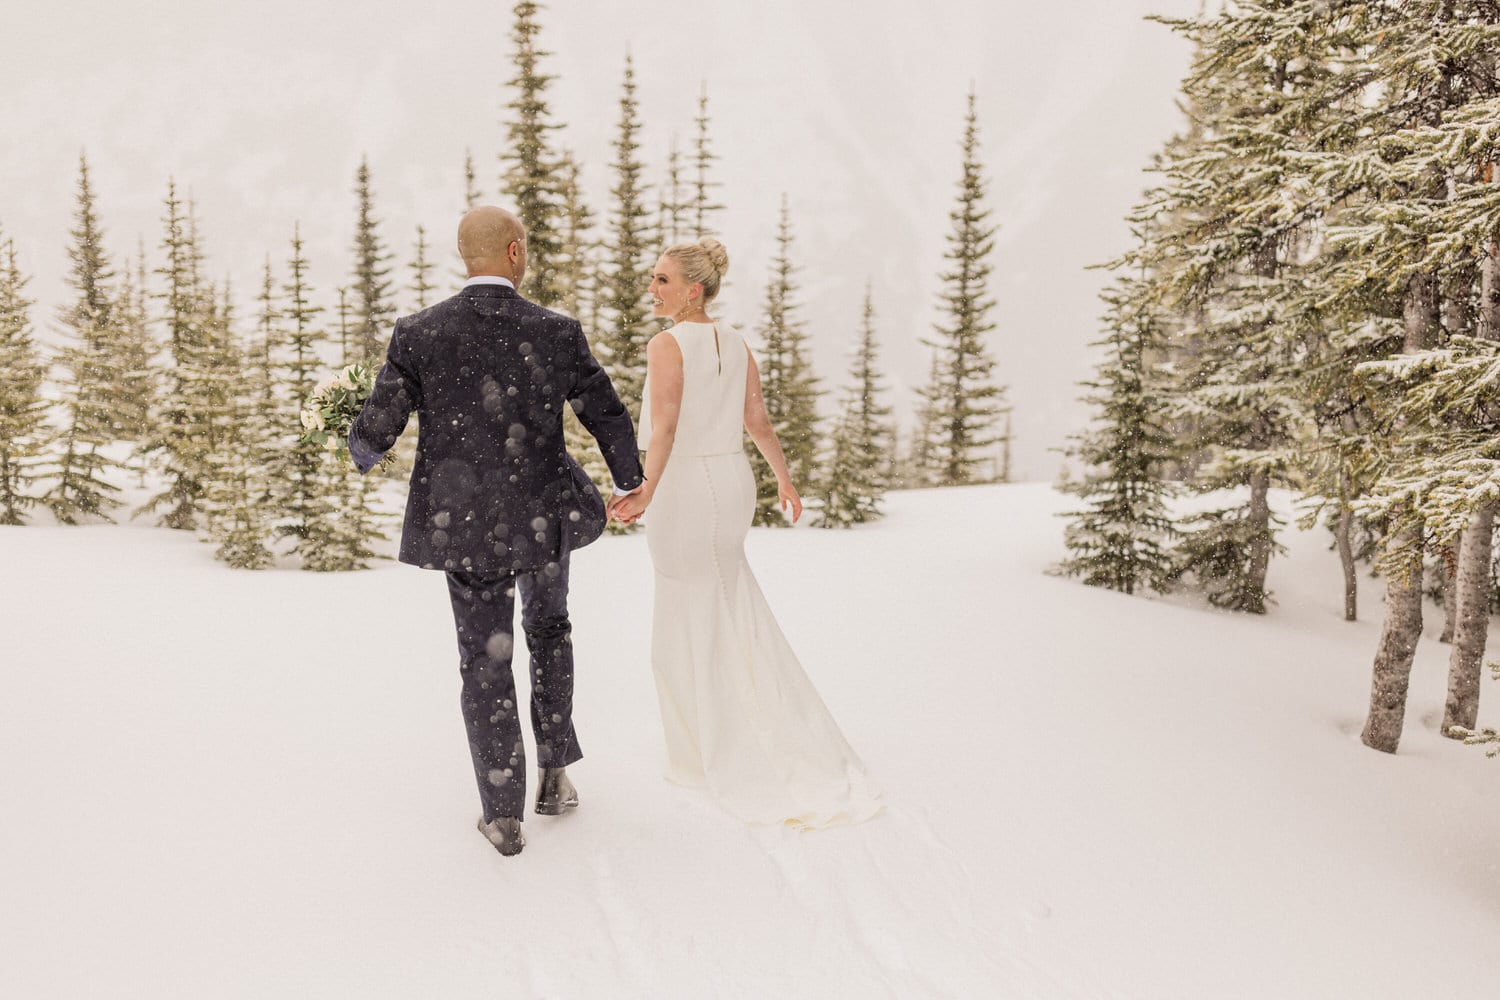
(623, 285)
(532, 179)
(704, 206)
(787, 381)
(181, 436)
(471, 187)
(576, 270)
(856, 480)
(920, 461)
(1234, 234)
(1428, 223)
(421, 273)
(308, 491)
(372, 307)
(23, 410)
(91, 374)
(965, 400)
(672, 208)
(238, 517)
(136, 350)
(1120, 539)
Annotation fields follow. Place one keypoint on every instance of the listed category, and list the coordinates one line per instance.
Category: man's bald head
(492, 241)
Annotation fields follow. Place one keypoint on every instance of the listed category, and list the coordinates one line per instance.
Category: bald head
(492, 241)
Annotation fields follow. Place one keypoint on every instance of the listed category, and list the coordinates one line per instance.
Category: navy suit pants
(484, 613)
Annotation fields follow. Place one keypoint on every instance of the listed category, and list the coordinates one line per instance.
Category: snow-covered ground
(232, 784)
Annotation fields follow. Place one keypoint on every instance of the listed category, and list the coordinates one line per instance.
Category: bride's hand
(788, 494)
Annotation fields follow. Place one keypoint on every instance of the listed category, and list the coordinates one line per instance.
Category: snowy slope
(256, 785)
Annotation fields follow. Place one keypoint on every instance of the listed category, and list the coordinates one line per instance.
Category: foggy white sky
(852, 108)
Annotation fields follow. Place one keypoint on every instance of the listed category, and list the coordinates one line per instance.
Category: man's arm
(599, 409)
(395, 395)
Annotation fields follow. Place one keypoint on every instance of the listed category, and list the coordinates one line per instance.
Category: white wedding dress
(740, 715)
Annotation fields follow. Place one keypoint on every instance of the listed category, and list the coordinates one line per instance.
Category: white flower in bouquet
(322, 387)
(312, 419)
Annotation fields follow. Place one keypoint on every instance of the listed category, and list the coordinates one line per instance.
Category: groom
(496, 502)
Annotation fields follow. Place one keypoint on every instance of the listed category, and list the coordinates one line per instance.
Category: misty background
(263, 110)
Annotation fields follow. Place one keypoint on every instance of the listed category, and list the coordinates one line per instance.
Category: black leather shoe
(555, 794)
(505, 833)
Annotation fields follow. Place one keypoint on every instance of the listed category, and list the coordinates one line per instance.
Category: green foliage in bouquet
(336, 401)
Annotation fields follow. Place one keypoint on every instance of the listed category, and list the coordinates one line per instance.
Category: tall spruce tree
(303, 489)
(23, 410)
(136, 352)
(672, 208)
(704, 206)
(372, 306)
(471, 187)
(421, 272)
(1419, 166)
(627, 258)
(91, 374)
(182, 435)
(787, 382)
(532, 178)
(964, 399)
(856, 480)
(238, 517)
(1119, 539)
(1229, 263)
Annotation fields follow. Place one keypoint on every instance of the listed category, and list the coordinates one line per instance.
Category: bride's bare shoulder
(663, 346)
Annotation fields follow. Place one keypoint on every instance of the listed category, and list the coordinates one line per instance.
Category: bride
(741, 717)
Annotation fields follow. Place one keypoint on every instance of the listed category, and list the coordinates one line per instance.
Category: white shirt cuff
(624, 493)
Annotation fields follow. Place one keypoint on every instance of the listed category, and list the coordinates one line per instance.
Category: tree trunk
(1448, 557)
(1260, 549)
(1402, 626)
(1398, 644)
(1346, 559)
(1462, 707)
(1489, 291)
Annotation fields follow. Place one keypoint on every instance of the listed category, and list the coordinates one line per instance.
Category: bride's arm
(664, 373)
(758, 423)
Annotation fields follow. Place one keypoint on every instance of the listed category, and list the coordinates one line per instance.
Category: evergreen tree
(1119, 540)
(963, 399)
(532, 179)
(136, 351)
(576, 269)
(704, 206)
(1228, 261)
(303, 484)
(92, 374)
(421, 272)
(23, 411)
(857, 475)
(623, 288)
(471, 189)
(181, 440)
(672, 209)
(235, 499)
(787, 382)
(372, 307)
(1425, 207)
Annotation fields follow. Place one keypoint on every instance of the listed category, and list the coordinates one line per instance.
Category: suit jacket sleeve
(599, 409)
(396, 394)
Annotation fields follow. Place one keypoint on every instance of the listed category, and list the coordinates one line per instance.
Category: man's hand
(616, 507)
(629, 508)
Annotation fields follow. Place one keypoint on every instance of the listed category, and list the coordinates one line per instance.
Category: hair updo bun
(718, 257)
(703, 263)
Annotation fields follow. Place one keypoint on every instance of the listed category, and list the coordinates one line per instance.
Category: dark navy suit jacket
(494, 490)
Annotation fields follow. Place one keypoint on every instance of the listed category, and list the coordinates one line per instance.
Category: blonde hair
(705, 262)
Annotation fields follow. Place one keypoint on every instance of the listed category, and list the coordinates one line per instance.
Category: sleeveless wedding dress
(741, 717)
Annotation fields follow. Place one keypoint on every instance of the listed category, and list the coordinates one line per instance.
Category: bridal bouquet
(331, 409)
